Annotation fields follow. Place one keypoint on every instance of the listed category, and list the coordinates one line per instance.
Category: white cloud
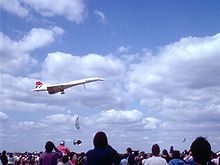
(63, 65)
(151, 123)
(15, 55)
(37, 38)
(59, 119)
(180, 79)
(73, 10)
(15, 104)
(104, 120)
(12, 60)
(14, 7)
(123, 49)
(101, 15)
(28, 125)
(3, 117)
(114, 116)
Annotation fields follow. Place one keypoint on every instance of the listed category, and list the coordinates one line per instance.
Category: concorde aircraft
(52, 89)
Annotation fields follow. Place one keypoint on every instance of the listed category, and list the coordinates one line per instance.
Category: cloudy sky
(160, 61)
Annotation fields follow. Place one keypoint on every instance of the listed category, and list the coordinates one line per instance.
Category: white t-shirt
(216, 161)
(124, 161)
(155, 160)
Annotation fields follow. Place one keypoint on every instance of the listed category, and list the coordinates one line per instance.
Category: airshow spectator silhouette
(49, 157)
(4, 158)
(155, 159)
(11, 159)
(131, 160)
(66, 160)
(65, 150)
(201, 151)
(176, 160)
(103, 153)
(124, 159)
(166, 155)
(188, 158)
(73, 158)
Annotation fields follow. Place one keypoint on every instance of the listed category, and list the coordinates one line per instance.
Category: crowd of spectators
(200, 153)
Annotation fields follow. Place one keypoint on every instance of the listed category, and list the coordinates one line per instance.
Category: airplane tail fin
(38, 84)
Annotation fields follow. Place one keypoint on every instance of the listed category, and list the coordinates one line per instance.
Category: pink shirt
(63, 149)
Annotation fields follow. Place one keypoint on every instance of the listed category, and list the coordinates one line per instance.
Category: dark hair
(176, 154)
(49, 146)
(72, 154)
(65, 159)
(10, 154)
(124, 156)
(201, 150)
(136, 153)
(3, 152)
(171, 149)
(100, 140)
(165, 152)
(129, 150)
(155, 149)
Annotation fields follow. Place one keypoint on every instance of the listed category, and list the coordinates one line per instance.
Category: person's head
(165, 152)
(62, 142)
(72, 154)
(136, 153)
(49, 146)
(100, 140)
(129, 150)
(155, 149)
(171, 149)
(3, 152)
(65, 159)
(176, 154)
(201, 150)
(10, 154)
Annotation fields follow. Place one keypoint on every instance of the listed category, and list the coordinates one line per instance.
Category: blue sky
(160, 61)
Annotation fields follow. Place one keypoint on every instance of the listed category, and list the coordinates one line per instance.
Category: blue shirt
(103, 156)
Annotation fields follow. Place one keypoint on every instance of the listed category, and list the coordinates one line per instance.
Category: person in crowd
(188, 158)
(216, 159)
(103, 153)
(17, 158)
(176, 160)
(66, 160)
(82, 159)
(64, 149)
(137, 157)
(165, 155)
(201, 151)
(171, 150)
(73, 158)
(4, 158)
(124, 159)
(155, 159)
(49, 157)
(144, 158)
(131, 160)
(11, 159)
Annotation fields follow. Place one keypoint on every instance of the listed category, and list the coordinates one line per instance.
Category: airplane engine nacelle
(53, 90)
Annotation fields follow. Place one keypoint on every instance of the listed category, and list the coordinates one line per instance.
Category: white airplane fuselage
(52, 89)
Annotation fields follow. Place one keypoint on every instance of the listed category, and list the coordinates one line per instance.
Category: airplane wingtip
(98, 78)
